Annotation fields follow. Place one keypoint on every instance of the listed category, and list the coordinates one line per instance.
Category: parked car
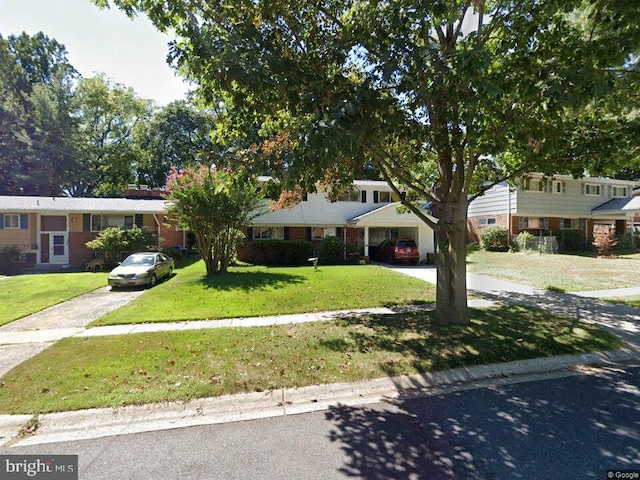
(400, 250)
(144, 268)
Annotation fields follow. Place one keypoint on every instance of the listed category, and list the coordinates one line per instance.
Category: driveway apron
(44, 328)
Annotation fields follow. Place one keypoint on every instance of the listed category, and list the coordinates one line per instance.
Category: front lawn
(259, 291)
(568, 273)
(23, 295)
(81, 373)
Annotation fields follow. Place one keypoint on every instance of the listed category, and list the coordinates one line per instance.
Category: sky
(130, 52)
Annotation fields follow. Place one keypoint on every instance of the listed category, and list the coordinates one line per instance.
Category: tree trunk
(451, 263)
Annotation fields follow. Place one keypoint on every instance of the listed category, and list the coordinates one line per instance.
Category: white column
(366, 241)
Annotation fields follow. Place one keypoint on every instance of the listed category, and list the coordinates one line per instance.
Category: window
(569, 224)
(591, 189)
(384, 197)
(557, 187)
(352, 196)
(483, 222)
(618, 192)
(318, 233)
(533, 185)
(12, 221)
(100, 222)
(268, 233)
(534, 223)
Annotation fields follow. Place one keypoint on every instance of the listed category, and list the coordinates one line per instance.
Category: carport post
(366, 241)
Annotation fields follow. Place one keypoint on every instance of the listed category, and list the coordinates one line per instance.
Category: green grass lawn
(630, 301)
(23, 295)
(569, 273)
(258, 291)
(155, 367)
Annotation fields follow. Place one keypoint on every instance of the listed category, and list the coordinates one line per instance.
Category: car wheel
(170, 273)
(152, 282)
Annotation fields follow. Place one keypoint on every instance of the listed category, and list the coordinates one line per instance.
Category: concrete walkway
(27, 337)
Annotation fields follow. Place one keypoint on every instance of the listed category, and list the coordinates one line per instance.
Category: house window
(384, 197)
(618, 192)
(100, 222)
(352, 196)
(533, 223)
(533, 185)
(318, 233)
(557, 187)
(591, 189)
(12, 221)
(484, 222)
(569, 224)
(268, 233)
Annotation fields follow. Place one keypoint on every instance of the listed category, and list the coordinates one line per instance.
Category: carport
(387, 222)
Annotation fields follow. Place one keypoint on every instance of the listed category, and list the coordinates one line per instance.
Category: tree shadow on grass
(495, 335)
(250, 280)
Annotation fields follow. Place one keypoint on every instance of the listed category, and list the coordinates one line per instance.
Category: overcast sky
(130, 52)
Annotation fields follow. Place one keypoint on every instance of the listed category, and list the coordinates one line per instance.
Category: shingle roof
(88, 205)
(619, 205)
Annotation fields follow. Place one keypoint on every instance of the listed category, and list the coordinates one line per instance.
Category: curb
(104, 422)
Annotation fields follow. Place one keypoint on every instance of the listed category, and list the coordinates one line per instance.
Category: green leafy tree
(113, 240)
(177, 135)
(443, 98)
(108, 115)
(214, 204)
(37, 125)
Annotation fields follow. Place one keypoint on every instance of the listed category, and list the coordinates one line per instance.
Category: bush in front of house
(113, 240)
(331, 251)
(7, 257)
(276, 252)
(495, 239)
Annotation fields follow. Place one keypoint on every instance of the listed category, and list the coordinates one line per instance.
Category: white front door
(58, 248)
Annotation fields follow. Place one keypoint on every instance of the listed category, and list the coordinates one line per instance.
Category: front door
(58, 251)
(54, 239)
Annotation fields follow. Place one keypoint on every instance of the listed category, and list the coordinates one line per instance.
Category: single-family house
(52, 231)
(542, 204)
(364, 217)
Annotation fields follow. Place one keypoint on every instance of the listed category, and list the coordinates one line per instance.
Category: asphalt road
(576, 427)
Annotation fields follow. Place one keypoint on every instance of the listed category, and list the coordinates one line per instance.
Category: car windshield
(138, 260)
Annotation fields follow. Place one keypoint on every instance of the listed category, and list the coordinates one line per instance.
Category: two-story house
(365, 217)
(542, 204)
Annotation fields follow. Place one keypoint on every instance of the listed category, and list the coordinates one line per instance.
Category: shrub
(604, 241)
(7, 256)
(331, 250)
(276, 252)
(113, 240)
(571, 240)
(495, 239)
(524, 240)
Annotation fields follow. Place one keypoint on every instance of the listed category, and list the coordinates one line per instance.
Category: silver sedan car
(144, 268)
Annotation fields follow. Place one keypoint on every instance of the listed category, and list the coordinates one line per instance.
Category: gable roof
(80, 205)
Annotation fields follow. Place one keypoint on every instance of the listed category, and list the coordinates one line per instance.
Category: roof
(620, 206)
(85, 205)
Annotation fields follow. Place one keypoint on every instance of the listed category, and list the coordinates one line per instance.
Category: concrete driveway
(28, 336)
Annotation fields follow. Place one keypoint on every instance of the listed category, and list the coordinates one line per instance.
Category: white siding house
(365, 218)
(539, 203)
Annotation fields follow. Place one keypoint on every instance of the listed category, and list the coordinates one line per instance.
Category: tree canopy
(442, 97)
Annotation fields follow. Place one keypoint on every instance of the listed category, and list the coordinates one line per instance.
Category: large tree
(443, 97)
(109, 114)
(178, 135)
(37, 126)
